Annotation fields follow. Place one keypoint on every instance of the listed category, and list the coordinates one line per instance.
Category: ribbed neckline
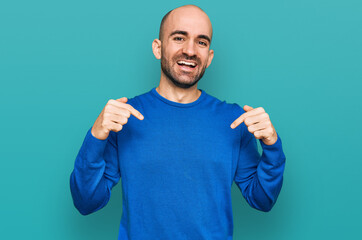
(176, 104)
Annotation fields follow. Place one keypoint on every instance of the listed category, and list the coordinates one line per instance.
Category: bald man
(177, 149)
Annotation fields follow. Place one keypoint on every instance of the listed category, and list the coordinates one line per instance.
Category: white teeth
(187, 63)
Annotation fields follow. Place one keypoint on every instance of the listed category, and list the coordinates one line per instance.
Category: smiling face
(184, 48)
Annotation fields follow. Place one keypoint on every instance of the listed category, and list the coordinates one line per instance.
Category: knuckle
(106, 114)
(128, 114)
(107, 108)
(251, 129)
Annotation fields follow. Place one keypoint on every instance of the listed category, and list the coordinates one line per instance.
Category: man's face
(185, 48)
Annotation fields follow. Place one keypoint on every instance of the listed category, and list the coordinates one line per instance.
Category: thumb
(247, 108)
(123, 99)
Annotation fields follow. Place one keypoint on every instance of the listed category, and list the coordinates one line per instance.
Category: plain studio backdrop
(60, 62)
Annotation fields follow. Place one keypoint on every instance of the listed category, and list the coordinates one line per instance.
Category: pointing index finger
(133, 111)
(238, 121)
(136, 113)
(249, 113)
(129, 107)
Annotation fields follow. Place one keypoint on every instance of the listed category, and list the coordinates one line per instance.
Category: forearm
(89, 182)
(88, 188)
(266, 182)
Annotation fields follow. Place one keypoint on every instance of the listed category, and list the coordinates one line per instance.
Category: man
(178, 149)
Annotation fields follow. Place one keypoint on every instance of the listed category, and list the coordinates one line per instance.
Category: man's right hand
(112, 118)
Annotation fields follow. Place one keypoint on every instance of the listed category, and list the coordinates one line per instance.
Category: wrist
(271, 140)
(100, 134)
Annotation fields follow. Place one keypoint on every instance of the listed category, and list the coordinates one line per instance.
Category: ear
(211, 56)
(156, 48)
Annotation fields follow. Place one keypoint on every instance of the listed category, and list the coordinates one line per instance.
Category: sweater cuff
(276, 145)
(274, 152)
(94, 147)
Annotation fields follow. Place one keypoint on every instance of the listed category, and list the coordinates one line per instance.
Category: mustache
(187, 57)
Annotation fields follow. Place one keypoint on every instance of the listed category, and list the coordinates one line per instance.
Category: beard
(167, 68)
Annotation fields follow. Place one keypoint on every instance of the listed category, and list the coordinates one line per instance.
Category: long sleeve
(96, 172)
(259, 178)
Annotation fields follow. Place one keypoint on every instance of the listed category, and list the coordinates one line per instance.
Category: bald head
(177, 16)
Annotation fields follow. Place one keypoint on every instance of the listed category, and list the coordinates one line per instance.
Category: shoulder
(230, 108)
(139, 100)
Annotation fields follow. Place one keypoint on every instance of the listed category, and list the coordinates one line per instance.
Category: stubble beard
(168, 70)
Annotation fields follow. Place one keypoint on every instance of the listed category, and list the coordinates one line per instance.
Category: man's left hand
(258, 123)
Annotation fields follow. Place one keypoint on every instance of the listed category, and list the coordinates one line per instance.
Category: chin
(184, 83)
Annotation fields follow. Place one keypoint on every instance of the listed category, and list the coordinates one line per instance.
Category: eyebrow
(186, 34)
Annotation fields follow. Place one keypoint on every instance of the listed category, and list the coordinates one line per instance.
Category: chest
(180, 146)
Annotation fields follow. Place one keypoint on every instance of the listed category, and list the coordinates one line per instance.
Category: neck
(176, 94)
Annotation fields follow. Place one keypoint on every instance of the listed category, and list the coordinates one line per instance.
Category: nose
(189, 48)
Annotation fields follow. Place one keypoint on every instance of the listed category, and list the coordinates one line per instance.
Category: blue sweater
(177, 167)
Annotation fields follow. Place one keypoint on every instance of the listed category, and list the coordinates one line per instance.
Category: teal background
(60, 61)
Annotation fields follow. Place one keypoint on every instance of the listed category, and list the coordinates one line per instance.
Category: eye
(202, 43)
(178, 39)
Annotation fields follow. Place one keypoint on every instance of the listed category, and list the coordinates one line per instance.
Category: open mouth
(186, 64)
